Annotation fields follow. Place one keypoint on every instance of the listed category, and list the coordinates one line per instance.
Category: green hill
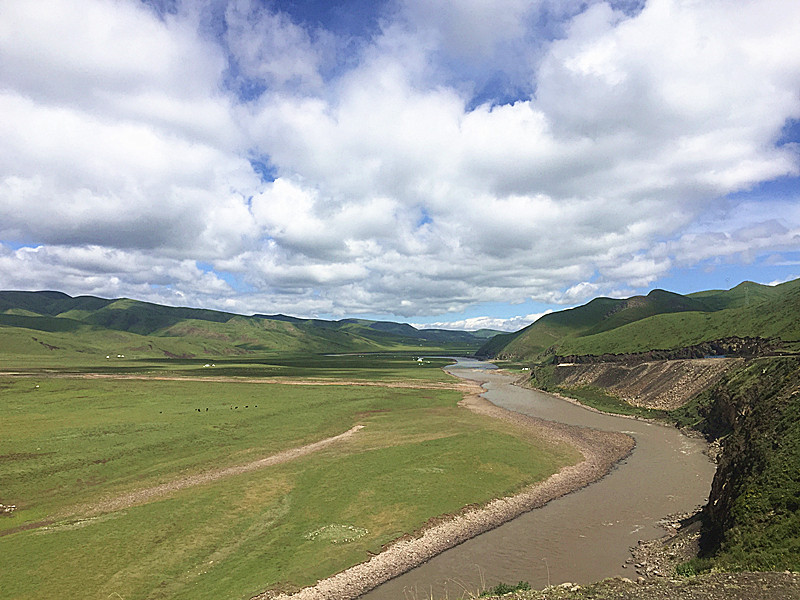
(54, 324)
(659, 321)
(48, 303)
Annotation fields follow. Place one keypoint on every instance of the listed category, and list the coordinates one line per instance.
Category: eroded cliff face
(662, 384)
(752, 517)
(750, 408)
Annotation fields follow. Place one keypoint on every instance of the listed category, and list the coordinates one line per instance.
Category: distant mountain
(47, 322)
(661, 320)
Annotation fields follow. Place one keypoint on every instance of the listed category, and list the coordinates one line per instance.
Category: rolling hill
(661, 320)
(52, 323)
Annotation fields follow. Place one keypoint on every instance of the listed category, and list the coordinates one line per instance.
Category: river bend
(582, 537)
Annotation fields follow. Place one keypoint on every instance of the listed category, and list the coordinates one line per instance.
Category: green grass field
(385, 366)
(67, 442)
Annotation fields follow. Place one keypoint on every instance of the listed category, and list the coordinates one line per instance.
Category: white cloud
(124, 137)
(739, 234)
(476, 323)
(110, 273)
(116, 134)
(470, 28)
(272, 50)
(783, 279)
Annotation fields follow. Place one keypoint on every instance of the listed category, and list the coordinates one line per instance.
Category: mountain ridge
(36, 322)
(661, 320)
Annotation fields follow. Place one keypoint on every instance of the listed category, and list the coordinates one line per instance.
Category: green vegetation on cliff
(752, 520)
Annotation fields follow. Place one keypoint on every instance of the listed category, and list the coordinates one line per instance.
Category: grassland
(659, 321)
(69, 439)
(377, 367)
(56, 326)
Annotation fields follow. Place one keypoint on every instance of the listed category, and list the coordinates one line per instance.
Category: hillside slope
(660, 384)
(661, 320)
(52, 324)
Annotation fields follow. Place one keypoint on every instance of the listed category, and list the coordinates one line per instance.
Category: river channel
(582, 537)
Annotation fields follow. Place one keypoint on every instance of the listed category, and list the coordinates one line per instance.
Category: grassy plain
(380, 366)
(69, 440)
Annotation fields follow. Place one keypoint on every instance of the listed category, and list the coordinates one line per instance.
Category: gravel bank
(601, 450)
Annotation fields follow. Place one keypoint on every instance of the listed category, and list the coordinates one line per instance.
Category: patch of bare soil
(661, 384)
(714, 586)
(601, 450)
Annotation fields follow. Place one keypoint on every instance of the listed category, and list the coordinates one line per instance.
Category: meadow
(70, 441)
(659, 321)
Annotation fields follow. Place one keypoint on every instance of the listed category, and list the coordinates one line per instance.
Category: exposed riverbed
(581, 537)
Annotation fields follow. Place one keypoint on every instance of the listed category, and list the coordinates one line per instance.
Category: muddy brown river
(582, 537)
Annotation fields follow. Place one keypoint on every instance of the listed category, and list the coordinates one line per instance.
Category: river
(582, 537)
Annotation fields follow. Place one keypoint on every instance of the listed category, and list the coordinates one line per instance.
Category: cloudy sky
(471, 162)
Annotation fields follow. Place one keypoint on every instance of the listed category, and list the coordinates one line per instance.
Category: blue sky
(459, 163)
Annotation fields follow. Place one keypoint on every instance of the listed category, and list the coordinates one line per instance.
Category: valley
(229, 456)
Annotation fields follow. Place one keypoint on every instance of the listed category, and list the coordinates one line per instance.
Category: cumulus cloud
(476, 323)
(269, 49)
(110, 273)
(470, 28)
(116, 134)
(395, 178)
(783, 279)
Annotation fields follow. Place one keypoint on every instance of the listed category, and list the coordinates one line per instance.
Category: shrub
(505, 588)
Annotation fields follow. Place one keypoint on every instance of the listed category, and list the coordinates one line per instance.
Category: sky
(453, 163)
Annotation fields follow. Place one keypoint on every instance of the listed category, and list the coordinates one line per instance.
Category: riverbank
(151, 468)
(711, 586)
(601, 451)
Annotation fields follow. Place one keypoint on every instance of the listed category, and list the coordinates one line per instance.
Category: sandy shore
(601, 450)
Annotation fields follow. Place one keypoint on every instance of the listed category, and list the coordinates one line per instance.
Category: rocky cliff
(752, 519)
(664, 384)
(750, 409)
